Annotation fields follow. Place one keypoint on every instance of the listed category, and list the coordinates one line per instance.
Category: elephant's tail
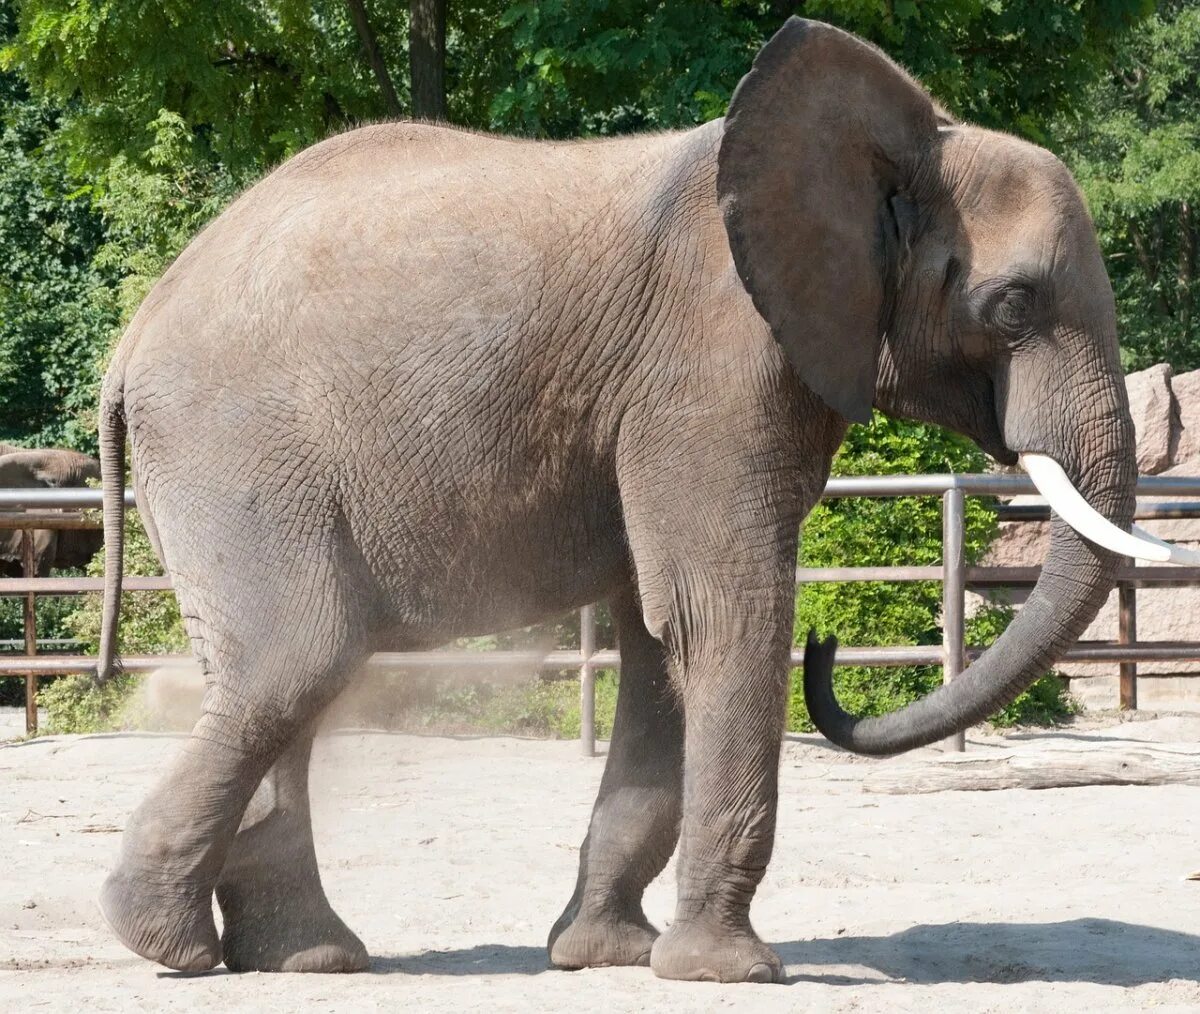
(112, 470)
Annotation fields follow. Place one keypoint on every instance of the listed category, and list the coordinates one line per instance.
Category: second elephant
(47, 468)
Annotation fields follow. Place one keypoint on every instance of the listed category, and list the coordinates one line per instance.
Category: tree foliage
(1134, 145)
(254, 80)
(55, 300)
(1006, 64)
(603, 66)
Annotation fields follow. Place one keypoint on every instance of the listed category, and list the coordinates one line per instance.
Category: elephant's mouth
(992, 443)
(996, 448)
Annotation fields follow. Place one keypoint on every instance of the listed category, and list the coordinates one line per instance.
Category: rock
(1152, 406)
(1020, 543)
(1186, 443)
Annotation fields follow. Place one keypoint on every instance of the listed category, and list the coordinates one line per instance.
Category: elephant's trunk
(1076, 578)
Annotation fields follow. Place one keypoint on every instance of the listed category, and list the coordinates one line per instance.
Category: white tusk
(1175, 554)
(1052, 482)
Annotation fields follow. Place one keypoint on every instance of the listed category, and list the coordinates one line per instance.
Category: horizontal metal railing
(33, 509)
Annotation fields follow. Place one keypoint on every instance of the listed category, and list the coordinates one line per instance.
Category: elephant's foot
(165, 923)
(595, 941)
(700, 951)
(286, 930)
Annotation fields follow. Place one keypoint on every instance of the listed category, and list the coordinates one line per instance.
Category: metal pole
(587, 681)
(31, 678)
(954, 589)
(1127, 634)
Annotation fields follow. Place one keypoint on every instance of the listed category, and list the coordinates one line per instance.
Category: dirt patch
(452, 857)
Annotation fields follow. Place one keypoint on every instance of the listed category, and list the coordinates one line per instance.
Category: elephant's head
(941, 272)
(23, 468)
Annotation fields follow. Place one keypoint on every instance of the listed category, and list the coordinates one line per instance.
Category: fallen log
(1041, 769)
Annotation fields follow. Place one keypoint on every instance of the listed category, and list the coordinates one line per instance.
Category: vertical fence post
(587, 681)
(1127, 634)
(954, 591)
(29, 568)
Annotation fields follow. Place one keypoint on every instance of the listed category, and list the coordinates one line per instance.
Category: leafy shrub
(51, 612)
(150, 621)
(77, 704)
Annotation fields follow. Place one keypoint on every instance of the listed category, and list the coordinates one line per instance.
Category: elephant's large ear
(820, 136)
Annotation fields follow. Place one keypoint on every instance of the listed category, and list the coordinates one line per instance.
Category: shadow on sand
(1101, 951)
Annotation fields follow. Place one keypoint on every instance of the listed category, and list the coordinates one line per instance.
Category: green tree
(254, 81)
(55, 302)
(565, 67)
(1134, 145)
(1006, 64)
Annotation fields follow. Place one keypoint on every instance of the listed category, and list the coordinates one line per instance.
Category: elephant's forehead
(1013, 201)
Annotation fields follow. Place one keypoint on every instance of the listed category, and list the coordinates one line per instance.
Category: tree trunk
(1187, 258)
(427, 58)
(362, 25)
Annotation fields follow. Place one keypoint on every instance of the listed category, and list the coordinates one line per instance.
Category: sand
(452, 857)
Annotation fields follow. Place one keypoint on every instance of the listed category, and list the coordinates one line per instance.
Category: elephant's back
(402, 252)
(379, 243)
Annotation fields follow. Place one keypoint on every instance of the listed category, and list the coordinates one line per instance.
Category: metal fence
(40, 509)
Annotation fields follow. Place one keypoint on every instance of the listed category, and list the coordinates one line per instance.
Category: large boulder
(1186, 442)
(1152, 407)
(1019, 543)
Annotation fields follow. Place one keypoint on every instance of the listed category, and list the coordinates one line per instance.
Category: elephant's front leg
(635, 822)
(734, 683)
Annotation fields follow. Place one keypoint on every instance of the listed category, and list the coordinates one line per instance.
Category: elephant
(422, 383)
(54, 467)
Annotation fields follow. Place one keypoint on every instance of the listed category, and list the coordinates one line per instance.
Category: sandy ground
(452, 857)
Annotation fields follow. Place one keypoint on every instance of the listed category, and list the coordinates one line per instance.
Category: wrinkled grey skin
(476, 382)
(41, 468)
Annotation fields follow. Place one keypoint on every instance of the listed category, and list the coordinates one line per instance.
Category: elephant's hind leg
(635, 822)
(277, 918)
(281, 645)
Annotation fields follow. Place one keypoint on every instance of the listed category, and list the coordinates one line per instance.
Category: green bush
(51, 612)
(78, 704)
(150, 621)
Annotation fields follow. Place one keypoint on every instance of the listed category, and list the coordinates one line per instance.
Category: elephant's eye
(1013, 309)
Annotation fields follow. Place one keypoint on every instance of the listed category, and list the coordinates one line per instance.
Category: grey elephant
(421, 383)
(52, 467)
